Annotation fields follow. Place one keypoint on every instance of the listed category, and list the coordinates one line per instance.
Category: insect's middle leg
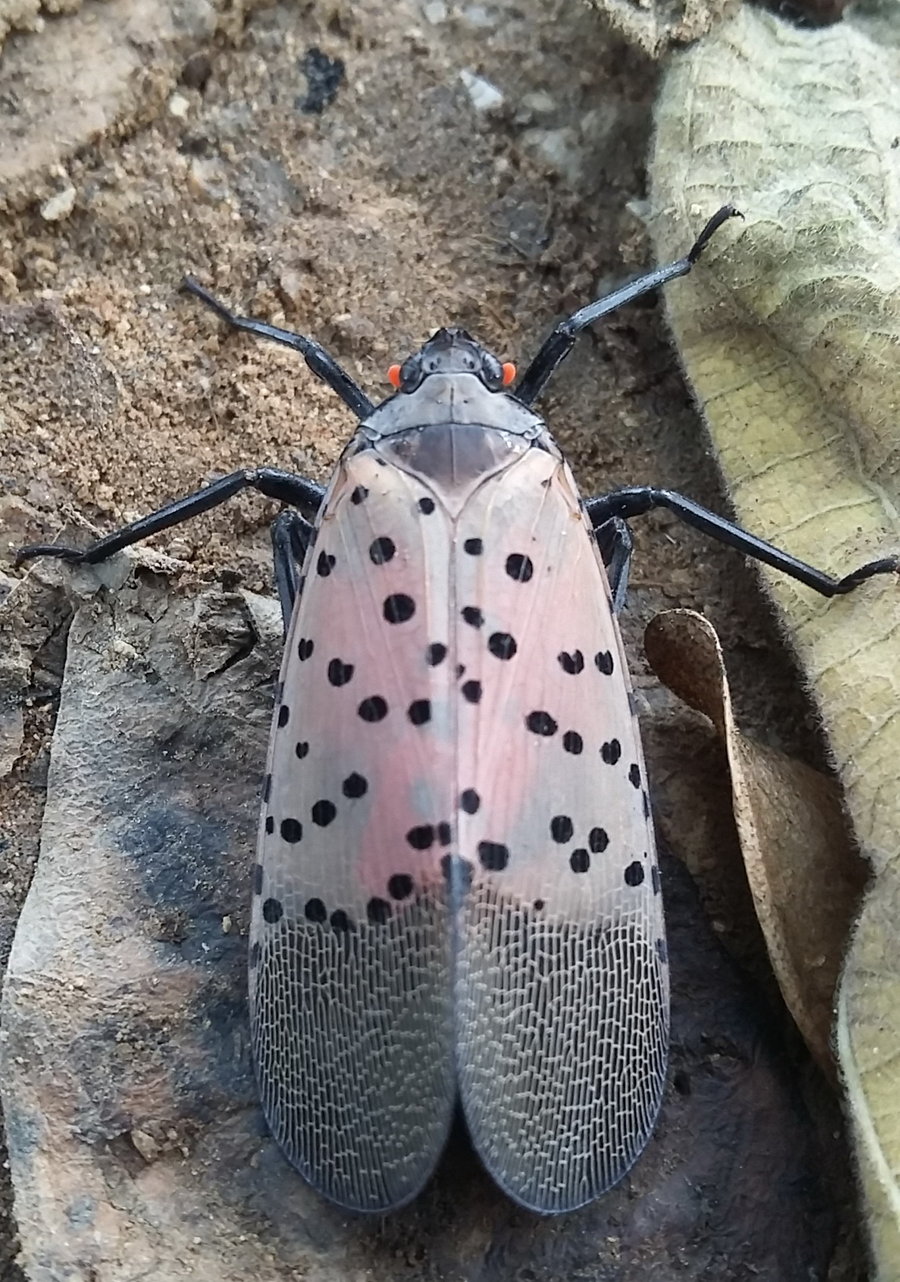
(291, 537)
(616, 544)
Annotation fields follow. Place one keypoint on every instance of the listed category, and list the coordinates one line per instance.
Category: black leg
(638, 499)
(616, 544)
(271, 481)
(562, 339)
(291, 537)
(319, 361)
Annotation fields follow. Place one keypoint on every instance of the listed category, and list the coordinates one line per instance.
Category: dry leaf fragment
(803, 874)
(656, 25)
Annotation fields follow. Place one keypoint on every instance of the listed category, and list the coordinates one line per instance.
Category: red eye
(509, 373)
(394, 375)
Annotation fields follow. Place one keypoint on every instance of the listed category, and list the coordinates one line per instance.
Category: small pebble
(557, 148)
(205, 181)
(478, 17)
(535, 106)
(179, 106)
(484, 96)
(58, 207)
(146, 1145)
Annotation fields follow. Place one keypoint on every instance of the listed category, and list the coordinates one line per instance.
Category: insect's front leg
(638, 499)
(322, 363)
(616, 544)
(291, 537)
(561, 340)
(303, 494)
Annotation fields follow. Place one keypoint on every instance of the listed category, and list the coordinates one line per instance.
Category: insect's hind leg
(637, 499)
(616, 544)
(291, 537)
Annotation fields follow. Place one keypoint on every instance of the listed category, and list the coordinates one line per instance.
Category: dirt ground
(335, 168)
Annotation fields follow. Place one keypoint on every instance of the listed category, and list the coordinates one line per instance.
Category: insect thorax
(453, 433)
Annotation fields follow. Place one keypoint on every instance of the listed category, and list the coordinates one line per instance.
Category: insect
(456, 893)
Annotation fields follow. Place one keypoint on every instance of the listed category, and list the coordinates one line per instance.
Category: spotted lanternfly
(456, 895)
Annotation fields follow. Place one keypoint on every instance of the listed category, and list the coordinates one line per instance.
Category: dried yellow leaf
(791, 339)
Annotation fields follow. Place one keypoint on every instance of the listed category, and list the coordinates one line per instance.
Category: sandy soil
(328, 167)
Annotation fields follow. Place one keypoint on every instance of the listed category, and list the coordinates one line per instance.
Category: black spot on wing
(378, 911)
(571, 662)
(502, 645)
(519, 567)
(339, 673)
(561, 828)
(400, 885)
(323, 812)
(373, 709)
(469, 801)
(540, 722)
(291, 831)
(382, 550)
(579, 860)
(494, 855)
(603, 661)
(398, 608)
